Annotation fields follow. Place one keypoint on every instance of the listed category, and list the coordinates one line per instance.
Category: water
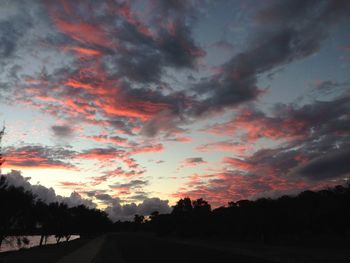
(11, 242)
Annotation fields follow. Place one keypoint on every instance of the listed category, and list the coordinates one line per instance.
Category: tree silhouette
(154, 215)
(311, 216)
(183, 207)
(201, 207)
(139, 219)
(43, 217)
(16, 206)
(23, 214)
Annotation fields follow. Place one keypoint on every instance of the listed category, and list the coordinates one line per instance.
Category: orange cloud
(81, 51)
(84, 32)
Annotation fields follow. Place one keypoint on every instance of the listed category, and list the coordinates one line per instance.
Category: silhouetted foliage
(22, 213)
(313, 215)
(139, 219)
(183, 207)
(16, 206)
(201, 207)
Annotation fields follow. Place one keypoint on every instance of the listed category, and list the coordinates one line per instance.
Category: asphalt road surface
(136, 247)
(130, 248)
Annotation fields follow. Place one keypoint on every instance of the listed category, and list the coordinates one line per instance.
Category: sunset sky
(125, 101)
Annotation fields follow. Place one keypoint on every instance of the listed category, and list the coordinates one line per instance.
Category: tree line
(21, 213)
(310, 215)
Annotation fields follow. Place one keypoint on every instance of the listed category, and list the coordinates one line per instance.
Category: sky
(128, 105)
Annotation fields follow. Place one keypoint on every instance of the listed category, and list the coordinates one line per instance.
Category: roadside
(44, 254)
(133, 247)
(85, 253)
(143, 247)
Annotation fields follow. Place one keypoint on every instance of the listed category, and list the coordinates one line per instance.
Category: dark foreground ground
(130, 248)
(45, 254)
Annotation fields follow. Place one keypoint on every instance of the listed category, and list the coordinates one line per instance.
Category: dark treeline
(323, 214)
(311, 215)
(21, 213)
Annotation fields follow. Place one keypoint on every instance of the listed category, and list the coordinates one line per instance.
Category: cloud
(289, 122)
(293, 33)
(148, 148)
(123, 154)
(229, 146)
(311, 143)
(11, 33)
(193, 161)
(102, 154)
(106, 198)
(127, 211)
(108, 80)
(108, 139)
(62, 131)
(77, 186)
(115, 210)
(130, 185)
(167, 122)
(109, 67)
(99, 83)
(38, 157)
(135, 171)
(45, 194)
(222, 45)
(331, 165)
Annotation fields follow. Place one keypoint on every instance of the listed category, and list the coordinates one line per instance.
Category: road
(137, 247)
(130, 248)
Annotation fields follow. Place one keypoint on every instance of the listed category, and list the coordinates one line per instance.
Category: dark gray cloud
(62, 131)
(15, 22)
(10, 34)
(331, 165)
(106, 198)
(139, 196)
(129, 185)
(194, 160)
(166, 122)
(126, 212)
(323, 136)
(289, 31)
(171, 45)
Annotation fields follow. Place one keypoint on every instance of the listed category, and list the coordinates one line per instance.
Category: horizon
(134, 105)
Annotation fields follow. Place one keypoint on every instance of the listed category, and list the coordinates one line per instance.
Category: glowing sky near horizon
(224, 100)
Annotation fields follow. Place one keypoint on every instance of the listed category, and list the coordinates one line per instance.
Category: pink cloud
(226, 146)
